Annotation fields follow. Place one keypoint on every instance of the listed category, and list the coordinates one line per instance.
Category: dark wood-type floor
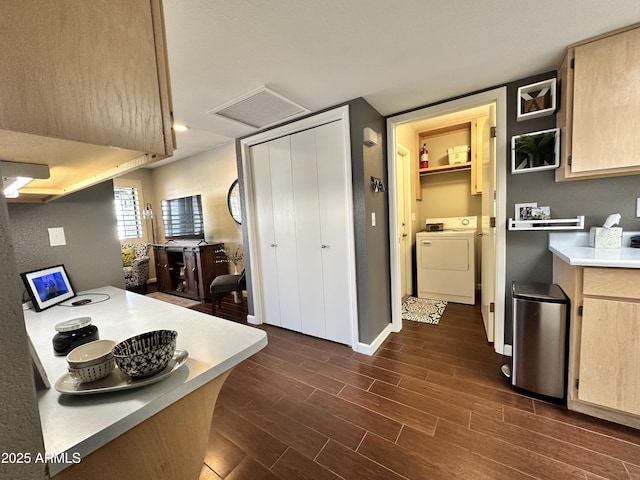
(430, 404)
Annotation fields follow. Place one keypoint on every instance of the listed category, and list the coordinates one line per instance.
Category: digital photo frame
(48, 286)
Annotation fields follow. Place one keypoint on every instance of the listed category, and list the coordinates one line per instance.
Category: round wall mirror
(233, 202)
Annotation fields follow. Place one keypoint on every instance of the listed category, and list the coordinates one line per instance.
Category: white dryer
(445, 257)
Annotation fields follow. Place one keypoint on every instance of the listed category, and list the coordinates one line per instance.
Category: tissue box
(600, 237)
(459, 154)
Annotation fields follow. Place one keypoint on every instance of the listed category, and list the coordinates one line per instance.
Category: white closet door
(305, 181)
(284, 224)
(334, 224)
(267, 262)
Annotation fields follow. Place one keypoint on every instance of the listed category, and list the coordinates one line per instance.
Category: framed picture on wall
(535, 151)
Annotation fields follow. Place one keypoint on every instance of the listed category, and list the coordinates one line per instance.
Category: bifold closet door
(319, 175)
(272, 180)
(302, 231)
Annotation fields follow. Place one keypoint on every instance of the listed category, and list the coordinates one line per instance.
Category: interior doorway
(490, 206)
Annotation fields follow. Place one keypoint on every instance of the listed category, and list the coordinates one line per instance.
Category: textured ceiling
(397, 55)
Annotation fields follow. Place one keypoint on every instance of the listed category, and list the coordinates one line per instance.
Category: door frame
(499, 96)
(406, 158)
(337, 114)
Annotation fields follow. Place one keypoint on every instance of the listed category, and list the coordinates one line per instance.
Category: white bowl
(92, 353)
(92, 373)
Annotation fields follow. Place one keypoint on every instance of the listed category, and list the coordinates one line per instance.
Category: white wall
(209, 174)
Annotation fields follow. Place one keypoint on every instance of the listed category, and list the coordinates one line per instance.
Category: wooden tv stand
(187, 270)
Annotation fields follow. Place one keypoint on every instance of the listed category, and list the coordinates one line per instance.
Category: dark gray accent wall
(372, 242)
(527, 255)
(373, 277)
(92, 253)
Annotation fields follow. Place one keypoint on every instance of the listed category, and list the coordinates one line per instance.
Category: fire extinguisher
(424, 156)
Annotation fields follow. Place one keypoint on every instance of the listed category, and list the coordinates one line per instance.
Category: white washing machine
(445, 256)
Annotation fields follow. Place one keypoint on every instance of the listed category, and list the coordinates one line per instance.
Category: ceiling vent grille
(259, 108)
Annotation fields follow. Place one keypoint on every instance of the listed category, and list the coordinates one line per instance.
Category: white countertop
(574, 249)
(81, 424)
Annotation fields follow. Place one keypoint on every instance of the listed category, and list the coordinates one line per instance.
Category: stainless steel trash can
(540, 339)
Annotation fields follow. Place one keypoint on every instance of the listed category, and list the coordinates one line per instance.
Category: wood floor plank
(295, 466)
(400, 412)
(402, 461)
(260, 445)
(366, 369)
(455, 458)
(594, 441)
(351, 465)
(561, 414)
(342, 375)
(431, 364)
(513, 456)
(322, 421)
(282, 382)
(249, 469)
(222, 455)
(503, 397)
(564, 452)
(310, 378)
(454, 396)
(403, 369)
(428, 404)
(356, 414)
(289, 431)
(207, 474)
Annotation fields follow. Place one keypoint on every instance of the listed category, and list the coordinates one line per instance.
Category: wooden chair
(224, 284)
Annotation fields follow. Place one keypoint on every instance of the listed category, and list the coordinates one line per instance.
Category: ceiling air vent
(259, 108)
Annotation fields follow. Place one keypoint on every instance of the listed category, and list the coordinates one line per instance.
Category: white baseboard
(251, 319)
(370, 349)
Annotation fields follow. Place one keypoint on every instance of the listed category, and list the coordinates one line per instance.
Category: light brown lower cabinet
(604, 351)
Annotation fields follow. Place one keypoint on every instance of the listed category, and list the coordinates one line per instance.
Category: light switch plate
(373, 219)
(638, 207)
(56, 237)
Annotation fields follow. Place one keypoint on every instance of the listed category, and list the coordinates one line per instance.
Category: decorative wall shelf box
(535, 151)
(536, 100)
(550, 224)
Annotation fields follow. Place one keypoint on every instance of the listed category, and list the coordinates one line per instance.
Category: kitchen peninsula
(156, 431)
(604, 349)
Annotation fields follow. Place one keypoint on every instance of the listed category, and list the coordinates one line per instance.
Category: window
(127, 202)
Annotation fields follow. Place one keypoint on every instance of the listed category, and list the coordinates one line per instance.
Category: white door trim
(498, 95)
(341, 113)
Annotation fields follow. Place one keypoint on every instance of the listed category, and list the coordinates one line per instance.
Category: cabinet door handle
(426, 242)
(324, 246)
(274, 244)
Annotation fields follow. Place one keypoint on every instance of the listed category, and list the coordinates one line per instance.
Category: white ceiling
(396, 54)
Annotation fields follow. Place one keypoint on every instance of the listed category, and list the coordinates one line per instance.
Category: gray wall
(372, 243)
(92, 253)
(527, 256)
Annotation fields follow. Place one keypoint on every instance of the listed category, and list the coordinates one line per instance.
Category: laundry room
(444, 158)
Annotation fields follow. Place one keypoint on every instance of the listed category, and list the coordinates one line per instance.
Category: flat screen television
(48, 286)
(182, 218)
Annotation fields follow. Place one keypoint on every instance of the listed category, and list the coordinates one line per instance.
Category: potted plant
(233, 257)
(536, 149)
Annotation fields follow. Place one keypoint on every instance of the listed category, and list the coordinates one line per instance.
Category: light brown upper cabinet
(85, 89)
(599, 107)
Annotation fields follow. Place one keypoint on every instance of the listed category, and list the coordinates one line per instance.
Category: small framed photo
(540, 213)
(523, 211)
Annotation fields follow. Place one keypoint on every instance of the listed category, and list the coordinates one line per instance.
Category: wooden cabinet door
(87, 72)
(610, 354)
(599, 111)
(191, 277)
(162, 269)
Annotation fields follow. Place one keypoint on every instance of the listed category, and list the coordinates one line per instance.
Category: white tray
(117, 380)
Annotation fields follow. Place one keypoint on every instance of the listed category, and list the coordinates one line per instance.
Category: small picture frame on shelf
(535, 151)
(536, 100)
(540, 213)
(523, 211)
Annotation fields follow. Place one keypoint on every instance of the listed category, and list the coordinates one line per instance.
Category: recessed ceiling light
(180, 127)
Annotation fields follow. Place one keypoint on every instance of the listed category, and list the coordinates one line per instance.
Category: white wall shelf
(550, 224)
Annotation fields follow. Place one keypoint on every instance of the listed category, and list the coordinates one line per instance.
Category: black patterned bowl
(145, 354)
